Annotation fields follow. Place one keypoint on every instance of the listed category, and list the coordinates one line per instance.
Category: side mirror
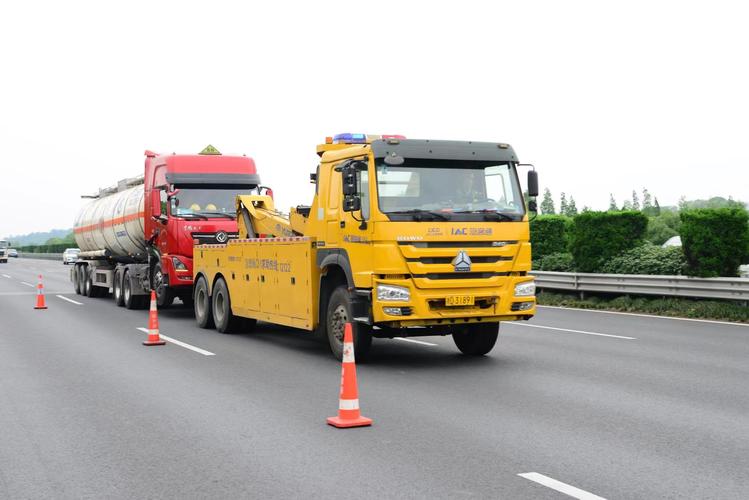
(156, 203)
(348, 175)
(351, 203)
(532, 183)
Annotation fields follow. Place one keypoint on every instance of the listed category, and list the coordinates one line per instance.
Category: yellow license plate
(459, 300)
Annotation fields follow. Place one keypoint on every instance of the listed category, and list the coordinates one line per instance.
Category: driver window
(364, 193)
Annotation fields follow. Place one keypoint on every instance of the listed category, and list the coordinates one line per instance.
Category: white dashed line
(572, 331)
(69, 300)
(560, 486)
(414, 341)
(27, 284)
(6, 276)
(182, 344)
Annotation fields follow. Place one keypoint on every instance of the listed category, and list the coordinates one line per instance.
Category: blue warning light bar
(349, 138)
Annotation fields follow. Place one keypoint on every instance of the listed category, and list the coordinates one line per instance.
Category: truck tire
(85, 283)
(340, 312)
(202, 304)
(128, 299)
(476, 339)
(117, 288)
(76, 280)
(224, 319)
(164, 294)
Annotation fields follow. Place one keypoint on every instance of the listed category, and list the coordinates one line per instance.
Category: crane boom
(257, 215)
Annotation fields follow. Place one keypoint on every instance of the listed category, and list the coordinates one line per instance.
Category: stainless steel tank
(112, 224)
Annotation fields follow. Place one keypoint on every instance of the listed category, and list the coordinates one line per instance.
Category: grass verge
(667, 306)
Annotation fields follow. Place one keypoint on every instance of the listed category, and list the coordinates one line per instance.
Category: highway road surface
(571, 404)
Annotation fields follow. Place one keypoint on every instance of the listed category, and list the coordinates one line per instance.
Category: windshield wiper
(418, 213)
(489, 215)
(220, 214)
(197, 216)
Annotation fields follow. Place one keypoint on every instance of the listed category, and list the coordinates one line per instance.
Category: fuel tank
(112, 224)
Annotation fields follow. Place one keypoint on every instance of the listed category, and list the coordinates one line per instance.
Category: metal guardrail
(668, 286)
(44, 256)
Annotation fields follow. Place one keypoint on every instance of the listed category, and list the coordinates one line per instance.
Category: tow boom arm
(257, 215)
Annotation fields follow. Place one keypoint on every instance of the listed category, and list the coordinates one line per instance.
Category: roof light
(349, 138)
(393, 136)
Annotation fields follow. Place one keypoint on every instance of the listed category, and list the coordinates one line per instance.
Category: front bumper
(427, 307)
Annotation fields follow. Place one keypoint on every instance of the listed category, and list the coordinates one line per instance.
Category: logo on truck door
(462, 262)
(221, 236)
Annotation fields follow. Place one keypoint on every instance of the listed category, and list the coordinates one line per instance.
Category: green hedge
(548, 235)
(598, 237)
(45, 248)
(715, 241)
(560, 262)
(647, 259)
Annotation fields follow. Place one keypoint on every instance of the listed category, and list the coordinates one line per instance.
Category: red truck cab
(189, 199)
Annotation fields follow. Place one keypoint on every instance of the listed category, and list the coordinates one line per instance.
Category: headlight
(178, 264)
(391, 293)
(525, 289)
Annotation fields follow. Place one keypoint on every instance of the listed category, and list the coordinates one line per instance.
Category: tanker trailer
(138, 235)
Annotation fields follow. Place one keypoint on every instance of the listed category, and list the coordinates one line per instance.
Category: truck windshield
(450, 188)
(210, 203)
(4, 244)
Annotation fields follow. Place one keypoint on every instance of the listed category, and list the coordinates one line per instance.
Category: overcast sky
(601, 96)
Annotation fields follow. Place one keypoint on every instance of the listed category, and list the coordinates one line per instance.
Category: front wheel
(202, 304)
(476, 339)
(164, 294)
(340, 312)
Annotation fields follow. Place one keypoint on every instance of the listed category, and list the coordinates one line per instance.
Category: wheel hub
(338, 322)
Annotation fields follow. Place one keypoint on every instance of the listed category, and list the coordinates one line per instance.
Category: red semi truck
(139, 234)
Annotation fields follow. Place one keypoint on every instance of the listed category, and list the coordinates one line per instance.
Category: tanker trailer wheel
(164, 294)
(476, 339)
(340, 312)
(225, 321)
(202, 304)
(85, 283)
(76, 280)
(117, 288)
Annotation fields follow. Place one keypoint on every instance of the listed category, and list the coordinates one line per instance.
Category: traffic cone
(153, 324)
(40, 303)
(348, 404)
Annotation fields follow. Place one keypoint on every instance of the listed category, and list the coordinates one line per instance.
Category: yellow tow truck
(403, 238)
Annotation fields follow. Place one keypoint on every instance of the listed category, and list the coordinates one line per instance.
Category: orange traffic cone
(40, 303)
(348, 404)
(153, 324)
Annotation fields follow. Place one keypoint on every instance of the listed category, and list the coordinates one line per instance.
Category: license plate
(459, 300)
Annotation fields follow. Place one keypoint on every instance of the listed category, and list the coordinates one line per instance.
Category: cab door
(357, 230)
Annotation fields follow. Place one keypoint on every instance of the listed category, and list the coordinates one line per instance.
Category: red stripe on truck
(108, 223)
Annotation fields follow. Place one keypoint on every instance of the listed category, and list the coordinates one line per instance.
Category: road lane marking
(27, 284)
(404, 339)
(69, 300)
(181, 344)
(560, 486)
(6, 276)
(574, 331)
(730, 323)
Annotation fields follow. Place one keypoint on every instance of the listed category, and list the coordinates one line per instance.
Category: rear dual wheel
(223, 318)
(117, 289)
